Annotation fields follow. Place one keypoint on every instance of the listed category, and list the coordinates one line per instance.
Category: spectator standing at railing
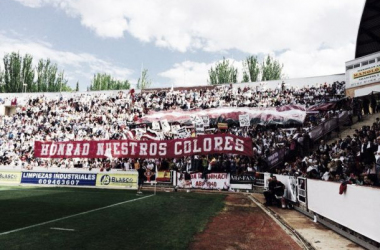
(377, 157)
(351, 163)
(367, 151)
(370, 173)
(367, 181)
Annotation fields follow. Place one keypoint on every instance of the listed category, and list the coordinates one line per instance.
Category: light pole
(25, 87)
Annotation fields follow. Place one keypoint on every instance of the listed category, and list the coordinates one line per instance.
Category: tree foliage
(107, 82)
(48, 78)
(271, 69)
(251, 69)
(20, 75)
(2, 83)
(224, 72)
(143, 82)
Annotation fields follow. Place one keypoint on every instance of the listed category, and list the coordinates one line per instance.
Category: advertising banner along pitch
(66, 179)
(10, 177)
(246, 178)
(204, 144)
(128, 180)
(213, 181)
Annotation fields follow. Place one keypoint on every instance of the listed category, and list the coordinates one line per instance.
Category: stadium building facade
(363, 73)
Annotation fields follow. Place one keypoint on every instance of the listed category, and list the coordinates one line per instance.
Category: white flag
(165, 126)
(155, 126)
(244, 120)
(206, 121)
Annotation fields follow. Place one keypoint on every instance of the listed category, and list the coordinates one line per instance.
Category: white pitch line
(70, 216)
(62, 229)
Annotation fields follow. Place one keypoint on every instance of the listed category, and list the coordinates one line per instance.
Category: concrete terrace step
(317, 235)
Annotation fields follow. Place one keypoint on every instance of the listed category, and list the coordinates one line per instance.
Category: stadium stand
(120, 115)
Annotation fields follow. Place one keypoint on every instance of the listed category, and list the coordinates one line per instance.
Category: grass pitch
(162, 221)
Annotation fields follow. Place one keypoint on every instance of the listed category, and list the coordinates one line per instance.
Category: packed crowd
(227, 96)
(354, 160)
(103, 116)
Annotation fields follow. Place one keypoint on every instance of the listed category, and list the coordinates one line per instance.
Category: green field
(161, 221)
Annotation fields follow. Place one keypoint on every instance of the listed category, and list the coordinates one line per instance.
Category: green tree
(66, 88)
(49, 79)
(143, 82)
(224, 72)
(251, 69)
(77, 87)
(2, 83)
(27, 73)
(271, 69)
(245, 77)
(13, 77)
(19, 75)
(106, 82)
(61, 83)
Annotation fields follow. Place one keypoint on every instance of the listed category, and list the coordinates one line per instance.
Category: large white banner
(363, 75)
(281, 114)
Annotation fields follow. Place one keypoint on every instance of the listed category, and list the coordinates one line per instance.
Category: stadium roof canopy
(368, 40)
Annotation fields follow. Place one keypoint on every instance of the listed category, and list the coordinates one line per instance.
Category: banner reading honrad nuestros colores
(205, 144)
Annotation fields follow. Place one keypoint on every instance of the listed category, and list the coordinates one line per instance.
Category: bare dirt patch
(242, 225)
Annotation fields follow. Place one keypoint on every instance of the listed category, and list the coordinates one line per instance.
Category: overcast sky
(179, 40)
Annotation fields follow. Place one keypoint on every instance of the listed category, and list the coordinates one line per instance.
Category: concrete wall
(299, 82)
(356, 209)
